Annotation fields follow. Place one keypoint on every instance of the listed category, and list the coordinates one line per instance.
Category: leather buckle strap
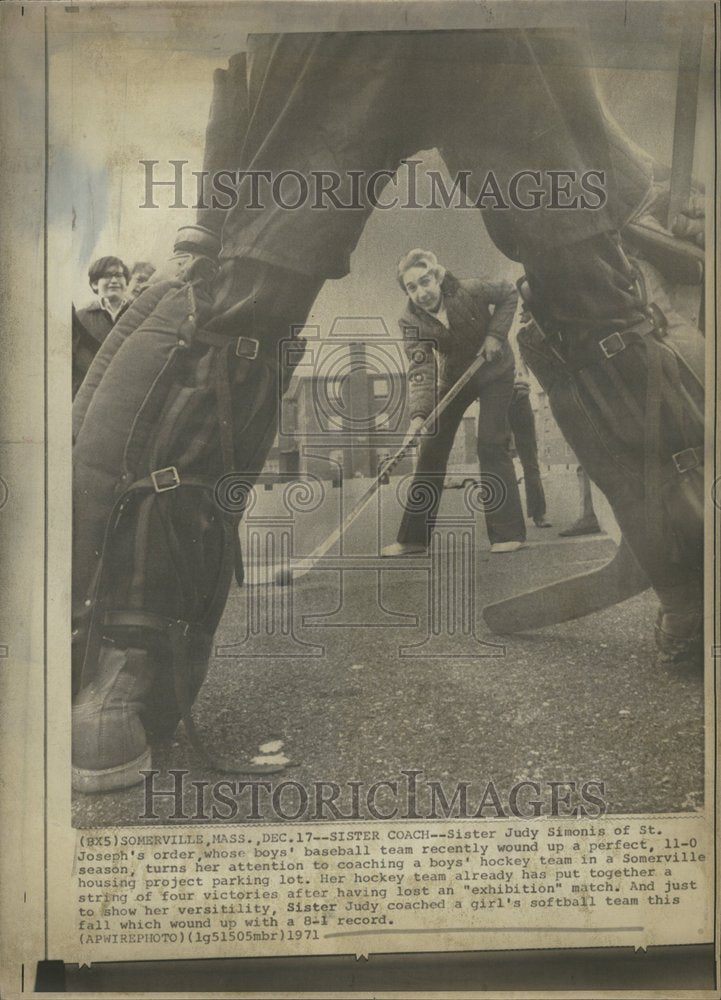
(659, 321)
(599, 351)
(689, 458)
(147, 620)
(247, 347)
(165, 479)
(619, 340)
(613, 344)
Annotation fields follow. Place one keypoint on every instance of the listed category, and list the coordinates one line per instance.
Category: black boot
(679, 639)
(133, 699)
(110, 746)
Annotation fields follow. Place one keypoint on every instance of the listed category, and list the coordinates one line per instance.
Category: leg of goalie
(185, 400)
(630, 403)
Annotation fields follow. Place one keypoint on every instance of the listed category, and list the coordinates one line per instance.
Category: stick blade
(276, 574)
(575, 597)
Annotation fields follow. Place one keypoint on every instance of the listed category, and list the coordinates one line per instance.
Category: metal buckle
(659, 321)
(165, 479)
(251, 353)
(687, 459)
(612, 344)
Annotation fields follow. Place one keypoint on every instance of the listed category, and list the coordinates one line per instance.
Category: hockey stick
(571, 598)
(298, 568)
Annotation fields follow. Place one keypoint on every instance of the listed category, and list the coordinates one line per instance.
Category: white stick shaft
(302, 566)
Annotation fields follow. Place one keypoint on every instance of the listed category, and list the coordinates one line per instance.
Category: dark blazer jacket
(91, 326)
(437, 355)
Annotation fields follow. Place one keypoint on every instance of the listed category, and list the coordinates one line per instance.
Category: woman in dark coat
(445, 325)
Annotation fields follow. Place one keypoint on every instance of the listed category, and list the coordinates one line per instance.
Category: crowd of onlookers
(114, 287)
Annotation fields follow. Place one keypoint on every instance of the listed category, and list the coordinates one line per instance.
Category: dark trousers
(502, 502)
(523, 425)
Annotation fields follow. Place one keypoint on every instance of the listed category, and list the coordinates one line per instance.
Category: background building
(344, 422)
(552, 446)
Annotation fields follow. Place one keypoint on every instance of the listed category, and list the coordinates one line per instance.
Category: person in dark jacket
(586, 523)
(525, 443)
(523, 425)
(445, 325)
(108, 277)
(140, 274)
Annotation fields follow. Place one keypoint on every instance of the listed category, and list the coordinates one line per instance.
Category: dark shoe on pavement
(541, 522)
(679, 640)
(110, 746)
(583, 526)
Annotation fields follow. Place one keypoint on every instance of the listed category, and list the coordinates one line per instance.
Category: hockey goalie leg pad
(180, 408)
(628, 397)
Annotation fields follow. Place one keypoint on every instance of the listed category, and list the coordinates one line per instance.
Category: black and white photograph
(388, 417)
(372, 582)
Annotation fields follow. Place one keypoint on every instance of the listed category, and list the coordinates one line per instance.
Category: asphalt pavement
(365, 668)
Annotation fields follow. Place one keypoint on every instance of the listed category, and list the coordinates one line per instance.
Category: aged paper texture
(358, 494)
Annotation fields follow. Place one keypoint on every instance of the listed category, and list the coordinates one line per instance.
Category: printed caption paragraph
(380, 888)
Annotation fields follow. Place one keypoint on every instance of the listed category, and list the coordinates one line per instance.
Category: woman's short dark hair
(98, 268)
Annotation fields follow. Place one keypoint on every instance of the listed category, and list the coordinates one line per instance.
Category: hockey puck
(284, 578)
